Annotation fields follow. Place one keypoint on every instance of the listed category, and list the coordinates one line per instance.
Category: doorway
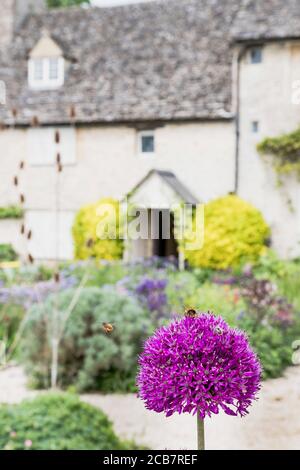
(164, 244)
(159, 240)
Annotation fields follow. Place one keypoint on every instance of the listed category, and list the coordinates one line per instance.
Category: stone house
(184, 87)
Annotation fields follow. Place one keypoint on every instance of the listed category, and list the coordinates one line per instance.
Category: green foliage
(87, 355)
(181, 290)
(25, 274)
(272, 344)
(11, 316)
(269, 266)
(99, 273)
(203, 274)
(289, 284)
(56, 422)
(7, 253)
(65, 3)
(96, 231)
(221, 300)
(270, 321)
(11, 212)
(286, 274)
(235, 232)
(264, 301)
(285, 152)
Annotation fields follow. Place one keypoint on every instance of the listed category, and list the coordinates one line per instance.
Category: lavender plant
(152, 294)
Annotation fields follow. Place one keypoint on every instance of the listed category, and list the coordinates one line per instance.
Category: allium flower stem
(200, 432)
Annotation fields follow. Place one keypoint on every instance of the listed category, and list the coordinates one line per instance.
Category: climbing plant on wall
(284, 151)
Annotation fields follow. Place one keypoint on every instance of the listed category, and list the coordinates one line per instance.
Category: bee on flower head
(190, 312)
(218, 330)
(108, 328)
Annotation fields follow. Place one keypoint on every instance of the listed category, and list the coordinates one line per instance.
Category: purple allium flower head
(198, 365)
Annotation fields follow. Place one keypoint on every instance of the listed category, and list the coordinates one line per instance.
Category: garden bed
(262, 299)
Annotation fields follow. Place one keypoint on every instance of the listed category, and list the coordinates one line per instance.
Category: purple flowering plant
(28, 294)
(152, 294)
(198, 365)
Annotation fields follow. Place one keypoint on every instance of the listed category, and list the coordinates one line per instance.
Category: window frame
(251, 55)
(141, 135)
(46, 82)
(255, 127)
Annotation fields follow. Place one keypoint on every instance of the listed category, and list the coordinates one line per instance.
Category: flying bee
(108, 328)
(190, 312)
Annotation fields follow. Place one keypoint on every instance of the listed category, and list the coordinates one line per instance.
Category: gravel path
(274, 421)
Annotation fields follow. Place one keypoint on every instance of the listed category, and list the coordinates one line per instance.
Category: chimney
(13, 13)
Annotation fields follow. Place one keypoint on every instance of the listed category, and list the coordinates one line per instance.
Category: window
(43, 145)
(38, 70)
(53, 69)
(146, 142)
(256, 55)
(46, 73)
(255, 127)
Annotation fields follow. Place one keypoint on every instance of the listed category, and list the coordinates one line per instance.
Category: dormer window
(46, 65)
(46, 73)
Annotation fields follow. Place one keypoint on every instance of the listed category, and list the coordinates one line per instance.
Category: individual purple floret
(198, 365)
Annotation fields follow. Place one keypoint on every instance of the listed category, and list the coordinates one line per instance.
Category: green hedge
(56, 422)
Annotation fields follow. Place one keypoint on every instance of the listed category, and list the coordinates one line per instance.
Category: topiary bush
(234, 233)
(91, 226)
(56, 422)
(89, 359)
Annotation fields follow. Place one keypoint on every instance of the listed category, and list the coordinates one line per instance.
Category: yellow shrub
(234, 232)
(92, 225)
